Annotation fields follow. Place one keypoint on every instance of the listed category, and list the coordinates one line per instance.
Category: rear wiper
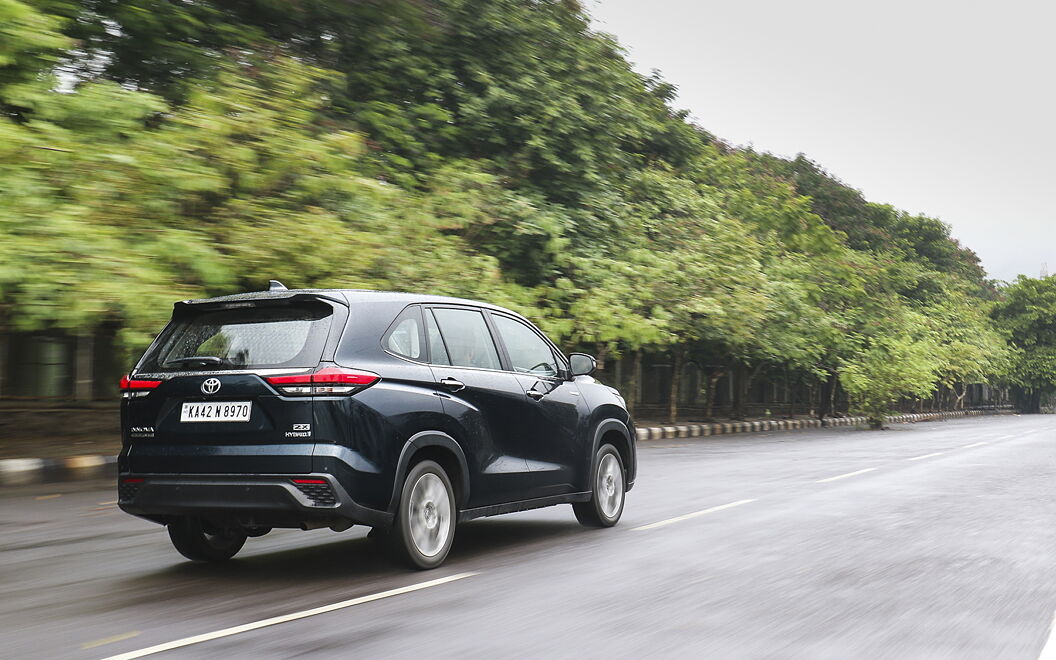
(203, 359)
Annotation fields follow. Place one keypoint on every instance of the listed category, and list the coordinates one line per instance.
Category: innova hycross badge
(328, 408)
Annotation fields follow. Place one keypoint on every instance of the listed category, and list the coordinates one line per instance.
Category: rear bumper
(249, 501)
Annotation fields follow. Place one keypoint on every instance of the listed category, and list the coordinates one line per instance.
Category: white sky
(936, 107)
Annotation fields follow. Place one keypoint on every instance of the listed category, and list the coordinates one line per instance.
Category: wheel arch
(616, 433)
(437, 446)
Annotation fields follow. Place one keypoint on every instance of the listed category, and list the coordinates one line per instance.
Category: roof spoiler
(263, 298)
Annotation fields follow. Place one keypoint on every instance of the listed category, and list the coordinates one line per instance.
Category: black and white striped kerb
(724, 428)
(23, 471)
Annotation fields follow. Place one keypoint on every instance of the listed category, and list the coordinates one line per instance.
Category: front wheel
(198, 541)
(425, 522)
(608, 486)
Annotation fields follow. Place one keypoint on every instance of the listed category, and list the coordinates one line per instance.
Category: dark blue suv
(328, 408)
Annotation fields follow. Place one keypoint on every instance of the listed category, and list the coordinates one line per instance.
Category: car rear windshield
(259, 337)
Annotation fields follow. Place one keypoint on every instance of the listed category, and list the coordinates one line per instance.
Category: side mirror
(582, 364)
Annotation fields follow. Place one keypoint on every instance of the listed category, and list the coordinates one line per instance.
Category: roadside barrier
(24, 471)
(724, 428)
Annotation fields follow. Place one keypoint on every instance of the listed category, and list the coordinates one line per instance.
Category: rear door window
(259, 337)
(437, 350)
(467, 339)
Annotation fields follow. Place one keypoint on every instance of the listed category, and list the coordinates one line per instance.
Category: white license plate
(217, 411)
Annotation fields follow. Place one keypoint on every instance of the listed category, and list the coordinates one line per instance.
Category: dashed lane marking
(917, 458)
(263, 623)
(48, 497)
(687, 516)
(844, 476)
(975, 444)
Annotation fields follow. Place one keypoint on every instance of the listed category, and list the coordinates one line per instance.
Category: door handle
(455, 385)
(535, 394)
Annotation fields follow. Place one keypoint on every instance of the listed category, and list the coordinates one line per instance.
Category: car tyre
(425, 520)
(196, 541)
(608, 490)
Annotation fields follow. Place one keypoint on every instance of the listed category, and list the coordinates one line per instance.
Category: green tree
(889, 369)
(493, 149)
(30, 43)
(1027, 311)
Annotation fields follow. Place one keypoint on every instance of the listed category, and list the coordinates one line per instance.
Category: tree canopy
(497, 149)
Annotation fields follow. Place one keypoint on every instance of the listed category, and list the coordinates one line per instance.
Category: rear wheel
(608, 487)
(199, 541)
(425, 521)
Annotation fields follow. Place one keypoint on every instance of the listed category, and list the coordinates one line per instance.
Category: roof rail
(275, 285)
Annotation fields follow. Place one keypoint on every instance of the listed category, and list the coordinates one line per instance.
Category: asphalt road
(933, 540)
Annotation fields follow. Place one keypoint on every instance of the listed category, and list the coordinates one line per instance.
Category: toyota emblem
(211, 386)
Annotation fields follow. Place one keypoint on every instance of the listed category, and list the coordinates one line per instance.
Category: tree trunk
(601, 353)
(740, 390)
(713, 383)
(3, 360)
(828, 391)
(790, 399)
(1034, 405)
(676, 383)
(744, 387)
(83, 377)
(634, 383)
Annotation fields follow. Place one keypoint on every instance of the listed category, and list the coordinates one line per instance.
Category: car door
(483, 402)
(555, 412)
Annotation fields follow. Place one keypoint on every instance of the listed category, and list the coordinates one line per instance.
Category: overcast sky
(943, 108)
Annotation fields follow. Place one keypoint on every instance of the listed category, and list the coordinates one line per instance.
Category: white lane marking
(227, 632)
(974, 444)
(1048, 652)
(1006, 437)
(917, 458)
(844, 476)
(687, 516)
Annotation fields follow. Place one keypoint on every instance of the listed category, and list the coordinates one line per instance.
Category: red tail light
(338, 375)
(135, 384)
(131, 388)
(309, 481)
(328, 380)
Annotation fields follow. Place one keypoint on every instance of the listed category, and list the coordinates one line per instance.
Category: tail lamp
(132, 388)
(326, 381)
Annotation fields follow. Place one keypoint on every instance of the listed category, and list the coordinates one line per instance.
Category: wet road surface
(934, 540)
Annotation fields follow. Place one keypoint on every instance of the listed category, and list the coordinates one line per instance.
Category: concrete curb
(723, 428)
(24, 471)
